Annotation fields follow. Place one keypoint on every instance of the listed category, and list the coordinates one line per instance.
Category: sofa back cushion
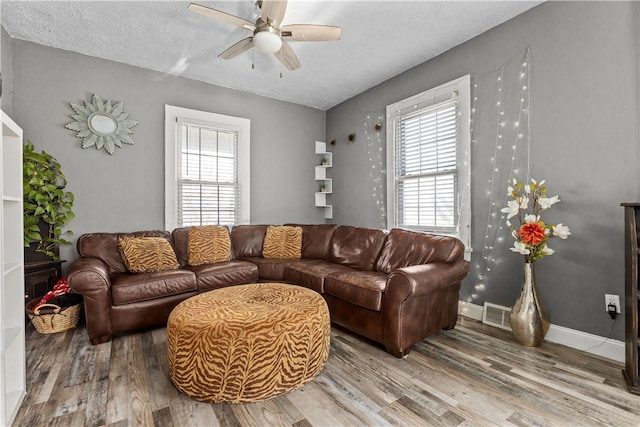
(356, 247)
(180, 237)
(316, 239)
(404, 248)
(247, 240)
(104, 246)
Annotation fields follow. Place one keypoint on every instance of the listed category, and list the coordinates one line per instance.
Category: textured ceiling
(380, 39)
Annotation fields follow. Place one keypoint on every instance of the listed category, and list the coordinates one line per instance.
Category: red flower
(532, 233)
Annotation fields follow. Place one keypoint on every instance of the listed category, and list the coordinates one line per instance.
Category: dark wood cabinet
(40, 277)
(631, 295)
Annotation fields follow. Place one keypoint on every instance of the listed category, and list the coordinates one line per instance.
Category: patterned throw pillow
(147, 254)
(282, 242)
(208, 244)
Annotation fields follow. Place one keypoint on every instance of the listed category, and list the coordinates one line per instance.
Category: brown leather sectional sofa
(394, 287)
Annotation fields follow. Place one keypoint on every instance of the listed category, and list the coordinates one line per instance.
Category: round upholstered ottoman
(247, 343)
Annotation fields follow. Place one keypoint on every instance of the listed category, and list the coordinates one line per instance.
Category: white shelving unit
(12, 350)
(325, 185)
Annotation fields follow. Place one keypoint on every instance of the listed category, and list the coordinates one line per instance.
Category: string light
(377, 174)
(512, 105)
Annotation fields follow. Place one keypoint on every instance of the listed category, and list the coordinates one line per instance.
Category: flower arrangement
(532, 234)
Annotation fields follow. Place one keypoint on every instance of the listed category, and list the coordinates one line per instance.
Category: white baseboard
(472, 311)
(594, 344)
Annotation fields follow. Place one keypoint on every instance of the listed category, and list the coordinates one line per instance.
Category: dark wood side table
(40, 277)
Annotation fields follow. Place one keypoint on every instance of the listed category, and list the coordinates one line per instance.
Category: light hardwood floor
(474, 375)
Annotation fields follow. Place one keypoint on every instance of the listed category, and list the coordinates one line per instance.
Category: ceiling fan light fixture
(267, 41)
(269, 35)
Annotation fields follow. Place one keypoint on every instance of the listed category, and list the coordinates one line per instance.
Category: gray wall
(585, 144)
(6, 59)
(125, 191)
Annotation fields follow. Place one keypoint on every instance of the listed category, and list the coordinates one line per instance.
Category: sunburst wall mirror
(101, 124)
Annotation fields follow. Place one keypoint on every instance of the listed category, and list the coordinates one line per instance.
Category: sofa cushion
(246, 240)
(180, 239)
(282, 242)
(310, 273)
(104, 246)
(128, 288)
(147, 254)
(356, 247)
(404, 248)
(316, 239)
(363, 288)
(271, 269)
(221, 274)
(208, 244)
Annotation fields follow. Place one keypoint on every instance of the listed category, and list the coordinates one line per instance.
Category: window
(207, 168)
(428, 161)
(207, 179)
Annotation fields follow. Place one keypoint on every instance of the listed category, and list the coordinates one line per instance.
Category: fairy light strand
(520, 125)
(377, 171)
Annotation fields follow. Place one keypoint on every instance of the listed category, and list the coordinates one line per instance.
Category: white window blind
(426, 168)
(207, 175)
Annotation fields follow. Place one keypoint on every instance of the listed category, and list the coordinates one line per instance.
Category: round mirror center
(103, 124)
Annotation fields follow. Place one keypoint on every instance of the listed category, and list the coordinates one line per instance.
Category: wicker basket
(51, 318)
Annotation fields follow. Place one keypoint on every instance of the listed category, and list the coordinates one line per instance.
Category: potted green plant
(47, 207)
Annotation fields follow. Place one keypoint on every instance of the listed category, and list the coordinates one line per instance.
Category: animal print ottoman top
(247, 343)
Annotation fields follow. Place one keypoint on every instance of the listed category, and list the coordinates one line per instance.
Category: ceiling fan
(269, 35)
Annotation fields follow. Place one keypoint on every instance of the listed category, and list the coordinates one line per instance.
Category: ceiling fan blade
(238, 48)
(274, 9)
(288, 57)
(309, 32)
(221, 16)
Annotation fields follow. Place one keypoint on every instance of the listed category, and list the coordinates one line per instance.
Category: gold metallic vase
(529, 319)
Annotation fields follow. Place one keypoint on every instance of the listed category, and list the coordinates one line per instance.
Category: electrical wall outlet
(612, 299)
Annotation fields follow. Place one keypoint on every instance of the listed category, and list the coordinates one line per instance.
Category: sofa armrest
(424, 279)
(90, 277)
(418, 301)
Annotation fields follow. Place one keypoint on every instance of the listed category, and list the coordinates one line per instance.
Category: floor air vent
(496, 315)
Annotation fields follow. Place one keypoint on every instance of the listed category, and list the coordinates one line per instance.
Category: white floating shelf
(325, 162)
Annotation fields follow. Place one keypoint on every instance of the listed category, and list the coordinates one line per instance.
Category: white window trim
(242, 125)
(461, 86)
